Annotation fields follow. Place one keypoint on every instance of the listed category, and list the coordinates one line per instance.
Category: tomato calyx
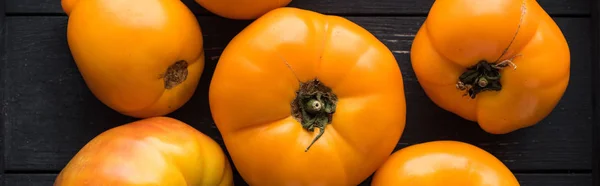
(176, 74)
(314, 107)
(481, 77)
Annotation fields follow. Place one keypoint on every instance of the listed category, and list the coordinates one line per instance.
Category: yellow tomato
(157, 151)
(443, 163)
(303, 98)
(502, 63)
(142, 58)
(242, 9)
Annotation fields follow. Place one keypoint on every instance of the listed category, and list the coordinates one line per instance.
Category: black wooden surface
(48, 112)
(379, 7)
(596, 77)
(525, 179)
(2, 89)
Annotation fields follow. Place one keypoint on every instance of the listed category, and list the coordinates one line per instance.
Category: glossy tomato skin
(256, 80)
(443, 163)
(242, 9)
(125, 48)
(155, 151)
(451, 41)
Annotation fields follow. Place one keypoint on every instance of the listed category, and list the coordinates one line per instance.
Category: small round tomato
(502, 63)
(142, 58)
(241, 9)
(303, 98)
(441, 163)
(153, 151)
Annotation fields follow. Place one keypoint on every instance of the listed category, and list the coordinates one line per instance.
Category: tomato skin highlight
(153, 151)
(515, 36)
(443, 163)
(142, 58)
(258, 80)
(241, 9)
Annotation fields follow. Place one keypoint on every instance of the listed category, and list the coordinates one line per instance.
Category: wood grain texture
(596, 84)
(379, 7)
(29, 179)
(524, 179)
(50, 113)
(555, 179)
(2, 66)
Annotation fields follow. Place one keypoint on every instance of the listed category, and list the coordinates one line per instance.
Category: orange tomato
(241, 9)
(443, 163)
(502, 63)
(153, 151)
(142, 58)
(294, 77)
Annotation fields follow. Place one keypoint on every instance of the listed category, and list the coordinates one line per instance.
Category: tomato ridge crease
(485, 76)
(523, 11)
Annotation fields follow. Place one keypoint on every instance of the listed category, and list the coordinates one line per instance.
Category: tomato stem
(481, 77)
(314, 107)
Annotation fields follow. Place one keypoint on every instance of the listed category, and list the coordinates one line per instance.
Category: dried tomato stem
(505, 63)
(314, 107)
(481, 77)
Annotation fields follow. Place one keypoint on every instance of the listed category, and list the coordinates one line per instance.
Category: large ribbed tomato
(142, 58)
(294, 77)
(502, 63)
(443, 163)
(241, 9)
(157, 151)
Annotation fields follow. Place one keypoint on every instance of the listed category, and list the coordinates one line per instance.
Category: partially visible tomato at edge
(242, 9)
(443, 163)
(155, 151)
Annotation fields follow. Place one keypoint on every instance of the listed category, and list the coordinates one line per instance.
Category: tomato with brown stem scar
(142, 58)
(502, 63)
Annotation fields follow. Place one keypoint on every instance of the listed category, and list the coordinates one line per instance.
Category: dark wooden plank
(596, 84)
(555, 179)
(29, 179)
(524, 179)
(2, 73)
(555, 7)
(51, 114)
